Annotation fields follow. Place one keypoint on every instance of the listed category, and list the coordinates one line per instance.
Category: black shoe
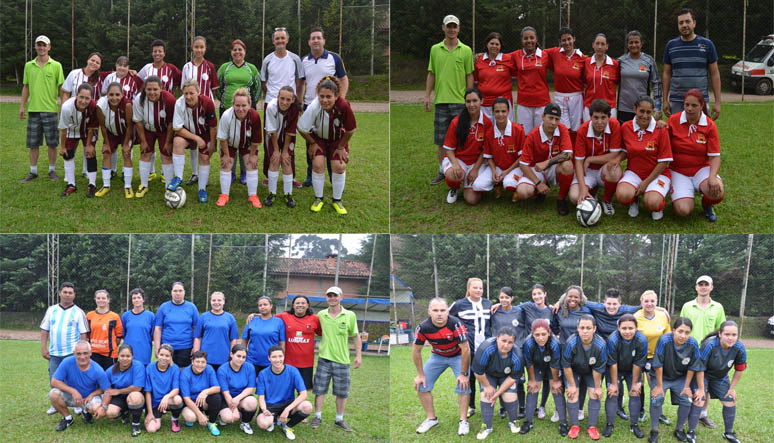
(621, 413)
(680, 435)
(269, 200)
(308, 182)
(29, 177)
(471, 412)
(64, 424)
(641, 418)
(520, 415)
(707, 422)
(634, 429)
(561, 207)
(194, 179)
(525, 427)
(135, 429)
(691, 436)
(439, 178)
(709, 214)
(540, 198)
(125, 417)
(608, 431)
(289, 201)
(68, 190)
(563, 429)
(92, 190)
(664, 420)
(503, 414)
(653, 437)
(730, 436)
(87, 418)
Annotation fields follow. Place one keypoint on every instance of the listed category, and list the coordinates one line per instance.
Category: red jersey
(299, 338)
(538, 147)
(531, 73)
(568, 71)
(589, 145)
(155, 117)
(130, 84)
(77, 123)
(504, 147)
(646, 147)
(692, 145)
(205, 75)
(601, 82)
(197, 119)
(474, 143)
(169, 74)
(494, 77)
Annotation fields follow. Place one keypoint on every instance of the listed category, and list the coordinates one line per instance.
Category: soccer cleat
(189, 424)
(709, 214)
(141, 191)
(730, 436)
(438, 178)
(561, 207)
(315, 423)
(563, 429)
(540, 198)
(64, 424)
(426, 425)
(51, 411)
(222, 200)
(135, 429)
(525, 428)
(175, 426)
(463, 428)
(68, 190)
(634, 210)
(308, 182)
(194, 179)
(152, 176)
(91, 192)
(680, 435)
(541, 413)
(53, 176)
(691, 436)
(255, 201)
(87, 418)
(297, 184)
(203, 196)
(707, 422)
(128, 193)
(653, 438)
(317, 205)
(471, 412)
(514, 427)
(451, 197)
(634, 429)
(339, 207)
(174, 184)
(609, 210)
(213, 429)
(664, 420)
(102, 191)
(245, 427)
(593, 433)
(270, 428)
(343, 425)
(289, 433)
(269, 200)
(289, 201)
(29, 177)
(574, 431)
(484, 432)
(555, 417)
(622, 413)
(657, 215)
(608, 431)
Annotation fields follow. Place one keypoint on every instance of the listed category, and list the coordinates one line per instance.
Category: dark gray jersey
(676, 361)
(583, 360)
(627, 354)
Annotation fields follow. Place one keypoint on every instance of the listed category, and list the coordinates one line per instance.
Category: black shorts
(308, 375)
(103, 361)
(120, 401)
(258, 369)
(277, 408)
(182, 357)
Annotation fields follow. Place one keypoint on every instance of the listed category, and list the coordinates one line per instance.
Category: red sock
(663, 203)
(510, 188)
(453, 184)
(706, 201)
(627, 203)
(565, 180)
(609, 190)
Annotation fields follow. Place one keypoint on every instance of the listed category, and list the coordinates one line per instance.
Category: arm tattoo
(564, 156)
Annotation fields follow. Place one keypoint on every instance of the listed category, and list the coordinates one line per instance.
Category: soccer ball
(588, 212)
(175, 199)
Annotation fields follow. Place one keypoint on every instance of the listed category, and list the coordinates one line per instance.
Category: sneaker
(270, 428)
(540, 198)
(141, 191)
(289, 201)
(657, 215)
(634, 429)
(525, 428)
(255, 201)
(593, 433)
(339, 207)
(561, 207)
(641, 418)
(69, 190)
(91, 192)
(265, 182)
(563, 429)
(498, 191)
(194, 179)
(175, 426)
(664, 420)
(315, 422)
(730, 436)
(555, 417)
(607, 207)
(426, 425)
(222, 200)
(343, 425)
(463, 428)
(128, 193)
(269, 200)
(680, 435)
(608, 431)
(634, 210)
(289, 433)
(87, 418)
(707, 422)
(203, 196)
(64, 424)
(574, 431)
(541, 413)
(581, 415)
(174, 184)
(221, 422)
(653, 438)
(451, 197)
(29, 177)
(297, 184)
(102, 192)
(213, 429)
(484, 432)
(691, 436)
(440, 177)
(307, 183)
(243, 177)
(709, 213)
(189, 424)
(135, 429)
(51, 411)
(152, 176)
(471, 412)
(77, 410)
(621, 413)
(317, 205)
(514, 426)
(245, 427)
(53, 176)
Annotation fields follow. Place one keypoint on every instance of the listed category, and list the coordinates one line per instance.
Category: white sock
(194, 153)
(318, 414)
(93, 177)
(145, 169)
(339, 417)
(318, 183)
(225, 182)
(34, 169)
(703, 413)
(127, 177)
(169, 172)
(153, 163)
(85, 167)
(69, 168)
(204, 175)
(273, 179)
(69, 417)
(51, 167)
(105, 177)
(338, 181)
(178, 162)
(252, 182)
(114, 161)
(287, 183)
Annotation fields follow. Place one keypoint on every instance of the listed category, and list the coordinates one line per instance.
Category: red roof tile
(319, 266)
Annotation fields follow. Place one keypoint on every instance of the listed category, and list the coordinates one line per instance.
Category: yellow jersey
(653, 328)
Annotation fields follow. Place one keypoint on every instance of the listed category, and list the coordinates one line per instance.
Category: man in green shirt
(706, 316)
(449, 73)
(42, 78)
(338, 324)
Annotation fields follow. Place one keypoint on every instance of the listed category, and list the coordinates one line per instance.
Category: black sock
(521, 395)
(683, 411)
(91, 164)
(634, 409)
(246, 416)
(136, 414)
(176, 412)
(531, 405)
(693, 417)
(296, 418)
(561, 408)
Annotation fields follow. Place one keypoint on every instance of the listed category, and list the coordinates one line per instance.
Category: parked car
(757, 68)
(771, 325)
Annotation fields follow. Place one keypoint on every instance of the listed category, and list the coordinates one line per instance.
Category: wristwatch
(538, 183)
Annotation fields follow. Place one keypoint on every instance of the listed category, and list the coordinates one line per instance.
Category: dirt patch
(14, 334)
(419, 97)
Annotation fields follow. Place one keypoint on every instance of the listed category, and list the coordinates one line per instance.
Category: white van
(758, 68)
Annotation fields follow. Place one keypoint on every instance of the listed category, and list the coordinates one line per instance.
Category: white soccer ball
(175, 199)
(588, 212)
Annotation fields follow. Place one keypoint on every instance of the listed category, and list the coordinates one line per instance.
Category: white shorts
(446, 164)
(587, 116)
(572, 108)
(68, 398)
(529, 117)
(593, 178)
(684, 186)
(548, 176)
(487, 110)
(485, 183)
(660, 184)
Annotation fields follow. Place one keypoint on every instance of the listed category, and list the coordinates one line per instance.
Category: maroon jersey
(155, 117)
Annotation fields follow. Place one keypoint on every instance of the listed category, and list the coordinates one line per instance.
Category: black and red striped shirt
(445, 340)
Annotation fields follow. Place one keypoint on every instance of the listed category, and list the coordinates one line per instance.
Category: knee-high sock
(145, 169)
(693, 417)
(581, 396)
(512, 408)
(153, 163)
(634, 409)
(136, 412)
(252, 182)
(472, 398)
(683, 411)
(114, 161)
(225, 182)
(176, 410)
(168, 171)
(594, 406)
(609, 190)
(127, 177)
(565, 180)
(337, 183)
(531, 406)
(241, 164)
(487, 412)
(273, 179)
(287, 184)
(561, 407)
(246, 416)
(214, 405)
(729, 414)
(545, 393)
(611, 407)
(520, 394)
(178, 164)
(296, 418)
(452, 183)
(106, 177)
(661, 206)
(194, 154)
(204, 176)
(655, 413)
(318, 183)
(706, 201)
(572, 410)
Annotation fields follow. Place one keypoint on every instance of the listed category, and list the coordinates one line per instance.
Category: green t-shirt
(704, 320)
(450, 69)
(232, 77)
(43, 84)
(334, 345)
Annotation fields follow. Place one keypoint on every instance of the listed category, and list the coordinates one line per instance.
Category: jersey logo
(480, 137)
(248, 133)
(104, 327)
(450, 337)
(642, 68)
(660, 183)
(730, 362)
(164, 78)
(701, 139)
(576, 65)
(308, 327)
(510, 149)
(507, 370)
(538, 63)
(651, 146)
(205, 76)
(686, 360)
(500, 69)
(201, 120)
(299, 333)
(547, 358)
(605, 75)
(162, 113)
(515, 322)
(647, 366)
(126, 88)
(336, 122)
(634, 351)
(592, 360)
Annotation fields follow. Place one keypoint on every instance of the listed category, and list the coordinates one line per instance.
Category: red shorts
(232, 152)
(192, 145)
(326, 149)
(115, 140)
(270, 146)
(72, 143)
(151, 138)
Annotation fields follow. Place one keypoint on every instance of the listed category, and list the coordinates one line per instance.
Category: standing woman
(492, 75)
(153, 110)
(105, 331)
(531, 312)
(281, 121)
(649, 152)
(532, 95)
(502, 149)
(653, 323)
(237, 385)
(601, 77)
(127, 380)
(568, 64)
(200, 390)
(639, 76)
(542, 358)
(327, 125)
(138, 327)
(216, 332)
(131, 85)
(696, 149)
(174, 324)
(78, 122)
(507, 315)
(162, 390)
(301, 326)
(261, 333)
(114, 111)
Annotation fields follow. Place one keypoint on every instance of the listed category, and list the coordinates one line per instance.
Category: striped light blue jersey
(64, 326)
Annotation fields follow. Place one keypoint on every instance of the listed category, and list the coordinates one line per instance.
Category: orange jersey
(105, 329)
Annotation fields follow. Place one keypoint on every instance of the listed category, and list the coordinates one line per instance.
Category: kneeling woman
(237, 385)
(200, 390)
(675, 363)
(542, 357)
(327, 125)
(720, 351)
(497, 365)
(127, 379)
(162, 390)
(78, 122)
(584, 358)
(464, 146)
(502, 149)
(276, 396)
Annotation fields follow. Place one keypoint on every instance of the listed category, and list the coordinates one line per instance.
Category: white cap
(451, 19)
(44, 39)
(706, 278)
(334, 289)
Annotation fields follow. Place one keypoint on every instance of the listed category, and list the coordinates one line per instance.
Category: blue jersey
(564, 327)
(676, 361)
(279, 388)
(627, 354)
(216, 332)
(717, 362)
(262, 334)
(132, 376)
(582, 359)
(606, 323)
(85, 382)
(138, 332)
(543, 358)
(161, 383)
(191, 385)
(236, 382)
(690, 65)
(177, 323)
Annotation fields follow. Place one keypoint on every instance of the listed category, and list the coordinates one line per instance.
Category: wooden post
(487, 266)
(193, 236)
(583, 254)
(744, 48)
(373, 30)
(72, 34)
(209, 271)
(368, 288)
(744, 287)
(265, 262)
(338, 262)
(128, 270)
(435, 266)
(341, 27)
(287, 276)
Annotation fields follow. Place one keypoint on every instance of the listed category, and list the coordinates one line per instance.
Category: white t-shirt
(277, 72)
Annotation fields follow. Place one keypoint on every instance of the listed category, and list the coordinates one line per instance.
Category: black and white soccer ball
(175, 199)
(588, 212)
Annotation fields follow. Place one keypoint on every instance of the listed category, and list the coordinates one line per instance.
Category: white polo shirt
(315, 70)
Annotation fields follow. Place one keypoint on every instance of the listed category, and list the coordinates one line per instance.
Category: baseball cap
(451, 19)
(334, 289)
(44, 39)
(552, 109)
(705, 278)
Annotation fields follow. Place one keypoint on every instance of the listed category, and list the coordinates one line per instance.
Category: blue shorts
(587, 379)
(716, 388)
(499, 381)
(434, 367)
(676, 386)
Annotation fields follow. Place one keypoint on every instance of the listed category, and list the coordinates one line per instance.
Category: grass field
(754, 422)
(37, 207)
(24, 417)
(416, 207)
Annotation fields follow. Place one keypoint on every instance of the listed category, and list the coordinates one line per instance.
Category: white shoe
(634, 210)
(555, 417)
(51, 411)
(608, 208)
(484, 432)
(270, 428)
(515, 428)
(451, 197)
(542, 413)
(289, 433)
(463, 428)
(658, 215)
(581, 416)
(77, 410)
(245, 427)
(427, 425)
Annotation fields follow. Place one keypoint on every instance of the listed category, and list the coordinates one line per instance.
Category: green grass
(416, 207)
(365, 409)
(369, 88)
(37, 206)
(754, 422)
